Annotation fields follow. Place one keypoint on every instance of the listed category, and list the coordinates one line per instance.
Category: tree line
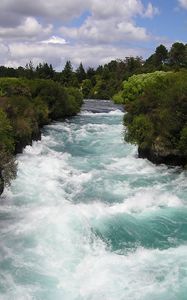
(104, 81)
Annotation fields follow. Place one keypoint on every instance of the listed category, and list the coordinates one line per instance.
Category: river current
(86, 219)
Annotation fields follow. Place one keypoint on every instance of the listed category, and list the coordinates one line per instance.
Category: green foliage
(7, 162)
(41, 110)
(68, 77)
(137, 84)
(101, 90)
(178, 55)
(80, 73)
(6, 137)
(118, 98)
(29, 70)
(25, 106)
(157, 113)
(161, 55)
(140, 131)
(45, 71)
(14, 86)
(162, 59)
(86, 88)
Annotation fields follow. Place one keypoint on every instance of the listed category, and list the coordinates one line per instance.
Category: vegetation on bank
(25, 106)
(156, 118)
(155, 98)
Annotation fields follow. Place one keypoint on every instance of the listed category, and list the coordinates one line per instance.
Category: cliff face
(22, 143)
(164, 157)
(161, 153)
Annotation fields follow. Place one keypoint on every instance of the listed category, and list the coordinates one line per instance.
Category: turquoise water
(87, 220)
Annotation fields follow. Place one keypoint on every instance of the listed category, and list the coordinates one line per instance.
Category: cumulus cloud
(119, 8)
(106, 32)
(50, 9)
(29, 28)
(44, 31)
(114, 17)
(183, 3)
(21, 53)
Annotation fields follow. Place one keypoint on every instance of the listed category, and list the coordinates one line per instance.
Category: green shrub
(157, 111)
(7, 162)
(25, 106)
(140, 131)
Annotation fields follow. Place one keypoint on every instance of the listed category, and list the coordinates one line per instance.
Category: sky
(93, 32)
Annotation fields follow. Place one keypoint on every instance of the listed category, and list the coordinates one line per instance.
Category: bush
(25, 106)
(157, 111)
(140, 131)
(7, 162)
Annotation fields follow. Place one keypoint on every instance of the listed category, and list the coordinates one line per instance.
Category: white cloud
(91, 55)
(41, 31)
(112, 21)
(119, 8)
(151, 11)
(4, 53)
(51, 9)
(30, 27)
(183, 3)
(55, 40)
(100, 31)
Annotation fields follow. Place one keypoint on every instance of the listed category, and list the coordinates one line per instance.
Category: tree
(86, 88)
(133, 64)
(90, 73)
(80, 72)
(67, 74)
(178, 55)
(161, 55)
(45, 71)
(29, 68)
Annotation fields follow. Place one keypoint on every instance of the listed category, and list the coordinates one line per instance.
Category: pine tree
(80, 72)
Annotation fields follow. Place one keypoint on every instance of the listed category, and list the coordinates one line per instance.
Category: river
(86, 219)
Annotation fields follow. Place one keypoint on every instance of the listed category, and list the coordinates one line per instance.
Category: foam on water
(116, 112)
(87, 220)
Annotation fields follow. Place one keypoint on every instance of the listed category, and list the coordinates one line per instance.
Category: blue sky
(89, 31)
(171, 22)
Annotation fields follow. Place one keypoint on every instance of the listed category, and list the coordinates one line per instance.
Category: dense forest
(153, 91)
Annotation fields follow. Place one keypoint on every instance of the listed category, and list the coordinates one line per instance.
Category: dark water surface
(87, 220)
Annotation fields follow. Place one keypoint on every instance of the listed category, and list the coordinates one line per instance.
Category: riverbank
(156, 118)
(25, 107)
